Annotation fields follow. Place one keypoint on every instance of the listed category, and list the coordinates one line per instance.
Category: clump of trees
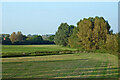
(20, 39)
(51, 38)
(63, 33)
(4, 39)
(16, 37)
(90, 34)
(36, 39)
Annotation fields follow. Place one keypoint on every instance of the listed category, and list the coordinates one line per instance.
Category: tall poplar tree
(19, 36)
(13, 37)
(85, 33)
(100, 31)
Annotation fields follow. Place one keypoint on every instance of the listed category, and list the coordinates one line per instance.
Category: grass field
(87, 65)
(78, 65)
(22, 50)
(32, 48)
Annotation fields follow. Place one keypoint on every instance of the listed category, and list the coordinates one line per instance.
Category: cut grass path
(86, 65)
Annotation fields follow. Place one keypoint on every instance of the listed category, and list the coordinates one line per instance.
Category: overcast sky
(45, 17)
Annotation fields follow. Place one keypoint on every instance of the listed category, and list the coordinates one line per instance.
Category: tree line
(20, 39)
(89, 34)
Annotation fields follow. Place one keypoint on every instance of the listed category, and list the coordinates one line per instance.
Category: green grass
(25, 50)
(83, 65)
(31, 48)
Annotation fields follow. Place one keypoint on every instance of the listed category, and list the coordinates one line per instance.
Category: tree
(91, 34)
(112, 42)
(19, 36)
(6, 40)
(119, 43)
(100, 31)
(63, 33)
(37, 39)
(16, 37)
(73, 39)
(13, 37)
(85, 33)
(51, 38)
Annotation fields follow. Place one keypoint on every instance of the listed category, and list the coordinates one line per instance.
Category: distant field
(20, 50)
(84, 65)
(31, 48)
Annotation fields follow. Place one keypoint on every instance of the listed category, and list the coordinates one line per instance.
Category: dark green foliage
(51, 38)
(35, 39)
(20, 39)
(73, 39)
(6, 41)
(63, 33)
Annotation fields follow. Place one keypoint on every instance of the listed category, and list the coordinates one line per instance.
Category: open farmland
(78, 65)
(60, 41)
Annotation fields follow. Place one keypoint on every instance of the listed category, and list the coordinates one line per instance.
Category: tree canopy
(20, 39)
(92, 34)
(63, 33)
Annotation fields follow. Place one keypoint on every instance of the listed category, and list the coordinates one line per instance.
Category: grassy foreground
(87, 65)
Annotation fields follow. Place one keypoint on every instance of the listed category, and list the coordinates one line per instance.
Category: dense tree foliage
(92, 34)
(13, 37)
(85, 33)
(63, 33)
(112, 42)
(19, 36)
(73, 39)
(20, 39)
(6, 40)
(35, 39)
(100, 32)
(51, 38)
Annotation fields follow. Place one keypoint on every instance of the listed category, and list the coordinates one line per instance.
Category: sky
(45, 17)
